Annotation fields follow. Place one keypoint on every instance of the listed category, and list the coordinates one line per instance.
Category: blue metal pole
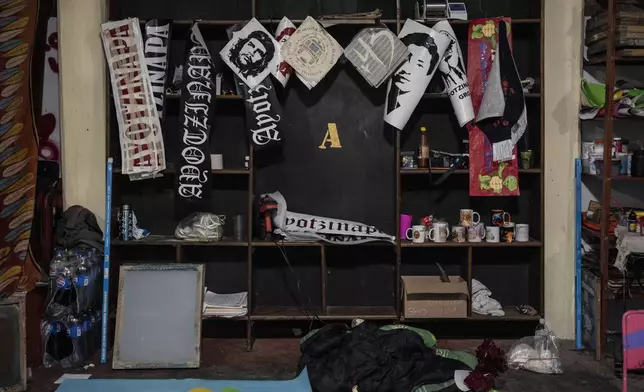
(106, 261)
(578, 290)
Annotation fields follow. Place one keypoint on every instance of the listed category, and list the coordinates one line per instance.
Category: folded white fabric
(482, 302)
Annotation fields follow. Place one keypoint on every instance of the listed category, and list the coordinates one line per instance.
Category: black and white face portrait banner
(263, 115)
(408, 84)
(197, 111)
(452, 68)
(251, 53)
(156, 49)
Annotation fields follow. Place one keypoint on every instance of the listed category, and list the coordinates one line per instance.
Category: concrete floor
(277, 359)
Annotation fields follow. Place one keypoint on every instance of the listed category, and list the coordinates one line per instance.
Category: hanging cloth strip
(197, 111)
(503, 106)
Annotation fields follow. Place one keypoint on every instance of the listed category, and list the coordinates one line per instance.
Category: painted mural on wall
(18, 147)
(49, 121)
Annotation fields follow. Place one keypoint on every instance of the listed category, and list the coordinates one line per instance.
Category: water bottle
(75, 333)
(55, 269)
(541, 334)
(81, 283)
(63, 343)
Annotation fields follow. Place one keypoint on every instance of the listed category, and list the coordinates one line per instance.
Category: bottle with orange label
(423, 149)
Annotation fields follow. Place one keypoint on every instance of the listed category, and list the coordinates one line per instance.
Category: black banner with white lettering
(157, 50)
(197, 111)
(263, 114)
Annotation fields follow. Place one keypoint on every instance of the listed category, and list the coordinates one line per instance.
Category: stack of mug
(470, 229)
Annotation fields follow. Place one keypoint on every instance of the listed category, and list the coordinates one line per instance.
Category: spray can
(126, 222)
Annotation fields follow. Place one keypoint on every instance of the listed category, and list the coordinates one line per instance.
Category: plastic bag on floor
(538, 353)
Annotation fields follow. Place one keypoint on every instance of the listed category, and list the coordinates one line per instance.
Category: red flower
(479, 381)
(491, 358)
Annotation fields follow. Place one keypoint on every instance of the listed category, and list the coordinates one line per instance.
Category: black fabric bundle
(78, 228)
(157, 50)
(197, 110)
(338, 358)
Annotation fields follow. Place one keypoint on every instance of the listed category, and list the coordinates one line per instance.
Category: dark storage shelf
(341, 269)
(155, 240)
(451, 244)
(333, 313)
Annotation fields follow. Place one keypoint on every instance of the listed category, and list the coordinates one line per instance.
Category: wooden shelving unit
(323, 309)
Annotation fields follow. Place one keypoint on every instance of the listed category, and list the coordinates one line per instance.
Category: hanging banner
(284, 30)
(487, 177)
(263, 115)
(502, 116)
(197, 110)
(298, 227)
(311, 51)
(251, 53)
(375, 52)
(157, 40)
(452, 69)
(49, 121)
(142, 149)
(408, 84)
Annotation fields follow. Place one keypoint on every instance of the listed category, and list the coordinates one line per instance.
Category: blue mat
(299, 384)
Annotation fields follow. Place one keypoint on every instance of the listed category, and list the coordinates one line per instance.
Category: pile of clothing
(368, 358)
(482, 301)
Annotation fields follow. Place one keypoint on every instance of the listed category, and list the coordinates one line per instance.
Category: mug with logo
(459, 234)
(469, 217)
(507, 232)
(476, 232)
(439, 232)
(500, 217)
(492, 233)
(417, 234)
(522, 232)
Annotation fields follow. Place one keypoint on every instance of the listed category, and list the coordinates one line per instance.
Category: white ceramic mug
(476, 232)
(417, 234)
(522, 232)
(216, 161)
(469, 217)
(439, 232)
(492, 233)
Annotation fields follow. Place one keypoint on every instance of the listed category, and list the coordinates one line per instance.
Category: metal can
(126, 222)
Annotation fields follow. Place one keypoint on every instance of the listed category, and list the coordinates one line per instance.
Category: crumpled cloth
(371, 359)
(627, 243)
(79, 227)
(482, 301)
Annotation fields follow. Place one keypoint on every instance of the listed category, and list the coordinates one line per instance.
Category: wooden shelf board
(350, 21)
(266, 244)
(153, 240)
(220, 97)
(333, 313)
(438, 170)
(451, 244)
(445, 96)
(214, 172)
(511, 314)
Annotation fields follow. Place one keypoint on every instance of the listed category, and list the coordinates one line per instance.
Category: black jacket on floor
(338, 357)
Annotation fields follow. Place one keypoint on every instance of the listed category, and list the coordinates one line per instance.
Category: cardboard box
(428, 297)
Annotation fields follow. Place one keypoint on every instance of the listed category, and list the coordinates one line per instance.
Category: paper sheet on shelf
(225, 305)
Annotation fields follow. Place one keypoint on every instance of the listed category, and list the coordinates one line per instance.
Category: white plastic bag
(538, 353)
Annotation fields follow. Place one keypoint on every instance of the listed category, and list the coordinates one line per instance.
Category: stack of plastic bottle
(71, 328)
